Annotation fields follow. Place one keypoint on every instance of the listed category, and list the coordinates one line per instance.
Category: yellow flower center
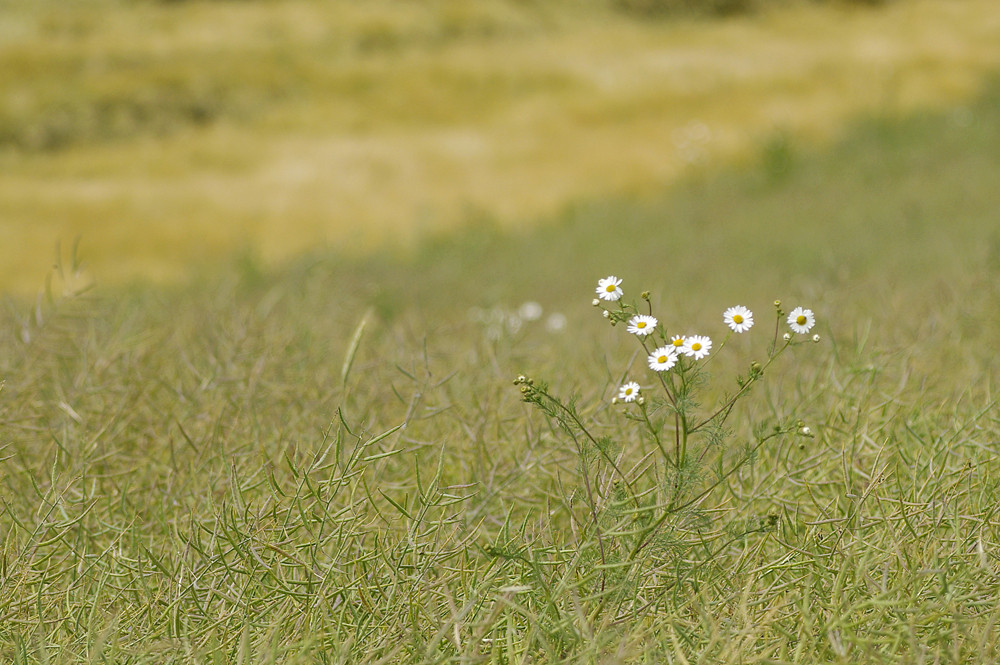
(737, 319)
(661, 359)
(678, 342)
(640, 324)
(628, 391)
(801, 320)
(610, 288)
(696, 346)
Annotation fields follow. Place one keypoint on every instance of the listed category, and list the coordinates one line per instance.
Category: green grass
(216, 473)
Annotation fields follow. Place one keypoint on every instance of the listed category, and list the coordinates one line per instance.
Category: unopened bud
(520, 379)
(640, 400)
(614, 400)
(595, 302)
(777, 303)
(816, 338)
(607, 314)
(787, 337)
(805, 431)
(525, 389)
(645, 295)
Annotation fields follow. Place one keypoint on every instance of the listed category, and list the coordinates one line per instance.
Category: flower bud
(816, 338)
(520, 379)
(607, 314)
(595, 302)
(645, 295)
(640, 400)
(787, 337)
(614, 400)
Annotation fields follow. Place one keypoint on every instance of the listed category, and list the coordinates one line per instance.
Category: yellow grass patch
(354, 126)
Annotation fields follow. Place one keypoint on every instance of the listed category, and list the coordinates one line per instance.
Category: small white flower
(677, 343)
(609, 289)
(697, 346)
(801, 320)
(662, 358)
(641, 324)
(530, 311)
(628, 392)
(739, 318)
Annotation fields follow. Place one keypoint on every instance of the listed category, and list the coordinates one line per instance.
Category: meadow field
(330, 459)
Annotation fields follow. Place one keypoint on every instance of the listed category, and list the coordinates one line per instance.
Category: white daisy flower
(608, 289)
(697, 346)
(628, 392)
(662, 358)
(641, 324)
(801, 320)
(677, 343)
(739, 318)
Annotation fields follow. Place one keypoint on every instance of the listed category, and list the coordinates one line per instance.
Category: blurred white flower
(530, 311)
(556, 322)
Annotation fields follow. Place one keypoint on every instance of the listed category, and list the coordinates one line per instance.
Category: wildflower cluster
(662, 401)
(672, 348)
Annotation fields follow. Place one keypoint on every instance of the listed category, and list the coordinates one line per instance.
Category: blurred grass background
(169, 135)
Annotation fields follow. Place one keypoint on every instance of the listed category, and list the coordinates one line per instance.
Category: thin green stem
(580, 426)
(727, 407)
(655, 433)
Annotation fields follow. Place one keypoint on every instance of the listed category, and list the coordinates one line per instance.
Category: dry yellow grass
(399, 118)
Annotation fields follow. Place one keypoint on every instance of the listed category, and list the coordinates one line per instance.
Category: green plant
(636, 507)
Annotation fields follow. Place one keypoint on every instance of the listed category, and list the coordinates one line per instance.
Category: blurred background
(165, 137)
